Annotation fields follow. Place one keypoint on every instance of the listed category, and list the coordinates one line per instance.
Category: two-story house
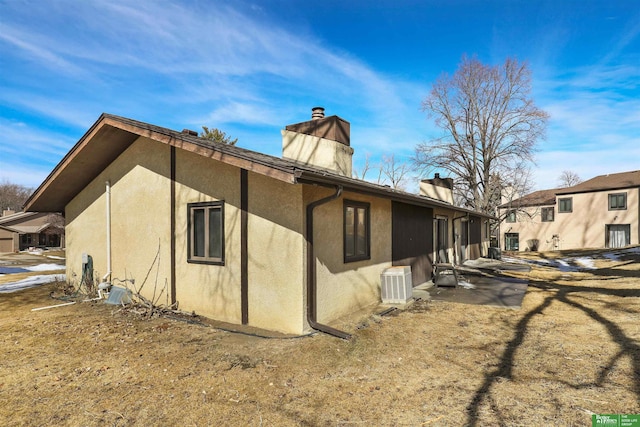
(602, 212)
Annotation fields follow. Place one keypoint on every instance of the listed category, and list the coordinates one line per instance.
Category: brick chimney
(322, 142)
(437, 188)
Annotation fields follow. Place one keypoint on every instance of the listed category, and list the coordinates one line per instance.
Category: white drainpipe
(108, 212)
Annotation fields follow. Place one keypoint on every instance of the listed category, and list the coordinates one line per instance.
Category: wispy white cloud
(215, 53)
(234, 66)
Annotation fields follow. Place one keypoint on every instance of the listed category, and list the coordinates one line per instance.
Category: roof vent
(317, 113)
(190, 132)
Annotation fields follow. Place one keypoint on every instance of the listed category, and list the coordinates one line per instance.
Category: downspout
(312, 297)
(108, 222)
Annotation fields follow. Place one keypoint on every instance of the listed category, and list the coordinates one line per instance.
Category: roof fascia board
(121, 123)
(597, 190)
(307, 177)
(205, 151)
(82, 142)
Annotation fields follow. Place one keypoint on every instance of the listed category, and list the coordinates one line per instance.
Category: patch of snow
(514, 260)
(31, 282)
(585, 262)
(45, 267)
(32, 251)
(466, 285)
(563, 265)
(55, 257)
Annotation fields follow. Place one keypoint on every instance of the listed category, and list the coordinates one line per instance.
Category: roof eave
(71, 175)
(359, 186)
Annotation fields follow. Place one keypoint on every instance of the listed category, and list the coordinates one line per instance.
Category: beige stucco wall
(345, 288)
(141, 226)
(584, 227)
(436, 192)
(317, 151)
(140, 220)
(141, 230)
(276, 247)
(209, 290)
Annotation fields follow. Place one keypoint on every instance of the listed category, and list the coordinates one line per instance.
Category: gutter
(363, 187)
(312, 297)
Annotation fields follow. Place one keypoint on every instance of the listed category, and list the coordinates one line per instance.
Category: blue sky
(251, 68)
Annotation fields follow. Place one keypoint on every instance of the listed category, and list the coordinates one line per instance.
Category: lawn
(572, 350)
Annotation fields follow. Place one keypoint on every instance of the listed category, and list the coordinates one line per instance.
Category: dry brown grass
(573, 349)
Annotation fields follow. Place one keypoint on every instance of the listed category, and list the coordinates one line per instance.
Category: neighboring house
(285, 244)
(24, 230)
(603, 212)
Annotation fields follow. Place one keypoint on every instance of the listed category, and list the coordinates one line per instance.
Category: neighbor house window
(511, 242)
(206, 233)
(357, 231)
(547, 214)
(617, 201)
(487, 229)
(565, 205)
(511, 216)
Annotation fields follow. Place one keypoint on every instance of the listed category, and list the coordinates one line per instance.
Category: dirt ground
(573, 349)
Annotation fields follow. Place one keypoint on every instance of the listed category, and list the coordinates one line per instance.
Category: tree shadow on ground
(627, 346)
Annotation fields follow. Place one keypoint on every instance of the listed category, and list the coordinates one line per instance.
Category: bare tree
(215, 134)
(13, 196)
(491, 126)
(365, 168)
(394, 173)
(568, 179)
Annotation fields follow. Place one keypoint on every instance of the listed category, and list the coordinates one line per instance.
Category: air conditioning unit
(396, 286)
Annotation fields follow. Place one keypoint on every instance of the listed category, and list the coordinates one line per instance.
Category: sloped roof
(18, 216)
(11, 229)
(31, 228)
(614, 181)
(111, 135)
(537, 198)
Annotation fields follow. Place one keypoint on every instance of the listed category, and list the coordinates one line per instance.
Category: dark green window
(357, 231)
(547, 214)
(617, 201)
(206, 232)
(511, 216)
(565, 205)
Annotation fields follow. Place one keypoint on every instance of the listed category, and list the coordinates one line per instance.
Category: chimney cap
(317, 113)
(190, 132)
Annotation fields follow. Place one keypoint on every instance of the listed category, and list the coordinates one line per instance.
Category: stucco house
(286, 244)
(23, 230)
(603, 212)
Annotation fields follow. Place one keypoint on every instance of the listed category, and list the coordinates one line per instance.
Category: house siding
(136, 239)
(344, 288)
(276, 248)
(583, 227)
(207, 289)
(8, 241)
